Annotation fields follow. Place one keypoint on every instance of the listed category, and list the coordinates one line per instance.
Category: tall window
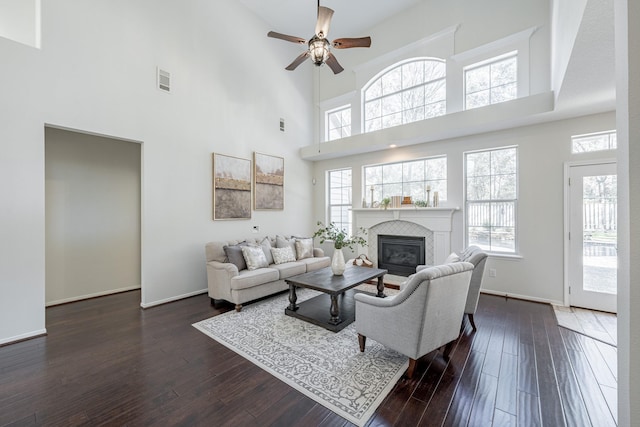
(594, 142)
(338, 123)
(410, 91)
(340, 198)
(407, 179)
(492, 81)
(491, 199)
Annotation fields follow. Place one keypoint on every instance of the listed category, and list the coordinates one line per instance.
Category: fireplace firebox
(400, 254)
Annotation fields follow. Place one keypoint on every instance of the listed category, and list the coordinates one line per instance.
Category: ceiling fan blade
(347, 42)
(285, 37)
(324, 20)
(332, 62)
(299, 60)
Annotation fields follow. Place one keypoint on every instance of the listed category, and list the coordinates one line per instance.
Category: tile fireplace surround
(434, 224)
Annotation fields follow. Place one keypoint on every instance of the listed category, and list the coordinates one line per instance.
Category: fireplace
(400, 254)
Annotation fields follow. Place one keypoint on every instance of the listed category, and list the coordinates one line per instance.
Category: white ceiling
(351, 18)
(589, 82)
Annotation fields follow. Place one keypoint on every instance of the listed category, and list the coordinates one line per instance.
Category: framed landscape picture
(268, 182)
(231, 187)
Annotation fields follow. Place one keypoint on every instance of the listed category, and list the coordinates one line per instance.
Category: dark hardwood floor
(105, 361)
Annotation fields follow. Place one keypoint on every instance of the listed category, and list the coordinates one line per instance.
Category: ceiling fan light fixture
(319, 50)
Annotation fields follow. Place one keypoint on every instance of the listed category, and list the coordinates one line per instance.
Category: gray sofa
(226, 281)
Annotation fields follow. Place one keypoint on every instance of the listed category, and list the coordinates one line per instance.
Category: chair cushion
(453, 257)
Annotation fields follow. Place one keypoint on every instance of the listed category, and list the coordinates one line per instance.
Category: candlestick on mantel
(371, 205)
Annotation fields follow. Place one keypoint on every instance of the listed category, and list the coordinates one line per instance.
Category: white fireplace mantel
(438, 220)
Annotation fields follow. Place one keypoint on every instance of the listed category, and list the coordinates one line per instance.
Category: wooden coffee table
(337, 311)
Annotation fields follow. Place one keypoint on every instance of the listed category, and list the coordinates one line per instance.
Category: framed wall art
(268, 179)
(231, 187)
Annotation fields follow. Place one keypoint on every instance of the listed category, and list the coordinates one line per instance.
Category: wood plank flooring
(105, 361)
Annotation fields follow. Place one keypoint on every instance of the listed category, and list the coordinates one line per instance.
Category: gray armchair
(422, 317)
(478, 258)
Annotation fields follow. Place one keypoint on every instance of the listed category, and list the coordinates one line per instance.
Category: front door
(593, 257)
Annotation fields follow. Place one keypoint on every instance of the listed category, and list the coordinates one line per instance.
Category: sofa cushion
(289, 269)
(250, 278)
(316, 263)
(254, 257)
(282, 255)
(266, 246)
(234, 255)
(304, 248)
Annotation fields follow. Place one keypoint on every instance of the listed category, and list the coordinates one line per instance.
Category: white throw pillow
(282, 255)
(304, 248)
(453, 257)
(254, 257)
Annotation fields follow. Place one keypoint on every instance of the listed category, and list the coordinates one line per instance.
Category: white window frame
(327, 120)
(425, 183)
(388, 70)
(515, 252)
(612, 141)
(488, 63)
(346, 205)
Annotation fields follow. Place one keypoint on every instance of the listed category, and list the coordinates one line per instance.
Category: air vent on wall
(164, 80)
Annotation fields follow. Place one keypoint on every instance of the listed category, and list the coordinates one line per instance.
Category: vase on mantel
(337, 262)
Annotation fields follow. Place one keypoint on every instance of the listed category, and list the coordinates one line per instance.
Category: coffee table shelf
(335, 310)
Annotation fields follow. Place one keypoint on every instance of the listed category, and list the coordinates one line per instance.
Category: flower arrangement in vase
(340, 240)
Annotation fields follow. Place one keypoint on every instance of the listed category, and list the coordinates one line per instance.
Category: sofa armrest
(219, 275)
(318, 252)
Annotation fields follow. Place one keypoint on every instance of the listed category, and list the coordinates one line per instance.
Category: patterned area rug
(328, 367)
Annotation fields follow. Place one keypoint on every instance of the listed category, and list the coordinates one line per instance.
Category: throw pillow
(234, 255)
(453, 257)
(283, 242)
(304, 248)
(266, 248)
(254, 256)
(282, 255)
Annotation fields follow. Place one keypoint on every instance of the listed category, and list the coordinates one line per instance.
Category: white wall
(92, 216)
(20, 21)
(96, 73)
(542, 151)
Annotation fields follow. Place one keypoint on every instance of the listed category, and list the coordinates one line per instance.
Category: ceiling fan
(319, 47)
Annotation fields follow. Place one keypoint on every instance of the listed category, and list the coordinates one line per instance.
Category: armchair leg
(473, 324)
(411, 368)
(362, 340)
(447, 350)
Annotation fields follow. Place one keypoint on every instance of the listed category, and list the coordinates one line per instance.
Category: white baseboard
(523, 297)
(23, 337)
(98, 294)
(172, 299)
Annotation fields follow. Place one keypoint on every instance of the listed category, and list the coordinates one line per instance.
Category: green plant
(338, 236)
(421, 203)
(386, 202)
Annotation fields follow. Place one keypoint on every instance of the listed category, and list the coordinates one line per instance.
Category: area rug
(593, 324)
(327, 367)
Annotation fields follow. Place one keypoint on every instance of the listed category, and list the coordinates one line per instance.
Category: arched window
(406, 92)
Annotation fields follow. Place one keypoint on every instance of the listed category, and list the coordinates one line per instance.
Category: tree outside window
(338, 123)
(340, 199)
(491, 82)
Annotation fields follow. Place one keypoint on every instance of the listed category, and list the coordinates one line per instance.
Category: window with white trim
(411, 178)
(490, 82)
(407, 92)
(339, 192)
(599, 141)
(491, 199)
(338, 123)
